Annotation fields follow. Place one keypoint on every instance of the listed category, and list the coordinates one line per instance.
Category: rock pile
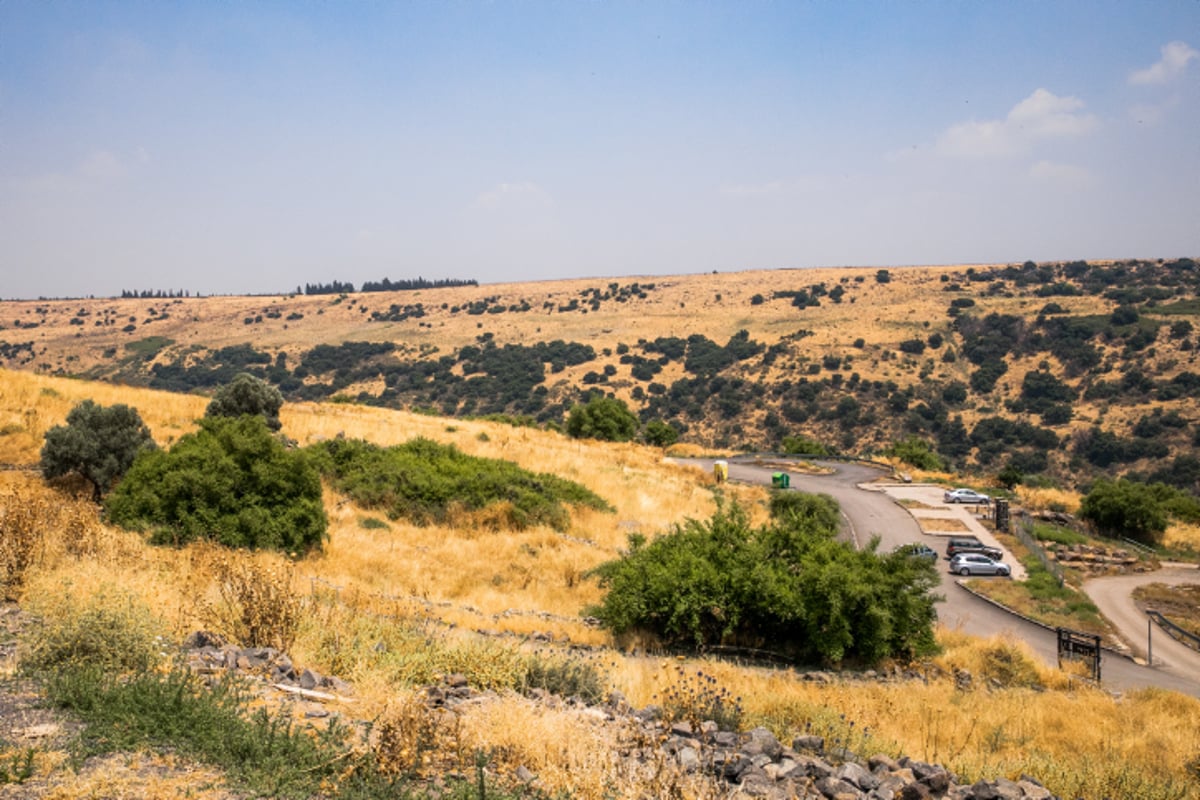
(208, 654)
(1099, 559)
(753, 764)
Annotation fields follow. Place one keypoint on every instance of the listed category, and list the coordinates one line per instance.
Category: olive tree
(98, 443)
(247, 394)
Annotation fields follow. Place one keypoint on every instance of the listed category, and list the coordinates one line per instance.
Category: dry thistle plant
(37, 525)
(409, 738)
(257, 606)
(697, 697)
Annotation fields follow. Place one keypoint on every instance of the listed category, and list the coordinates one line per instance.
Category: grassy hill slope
(390, 605)
(1062, 369)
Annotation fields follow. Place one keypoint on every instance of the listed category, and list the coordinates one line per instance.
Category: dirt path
(1114, 597)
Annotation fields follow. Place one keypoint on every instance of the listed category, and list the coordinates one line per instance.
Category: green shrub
(803, 446)
(232, 482)
(604, 418)
(109, 630)
(1053, 533)
(660, 434)
(564, 676)
(916, 452)
(262, 750)
(789, 586)
(1125, 508)
(427, 482)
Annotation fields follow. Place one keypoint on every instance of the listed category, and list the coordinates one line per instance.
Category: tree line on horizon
(385, 285)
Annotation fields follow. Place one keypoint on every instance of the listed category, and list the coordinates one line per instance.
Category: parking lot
(939, 520)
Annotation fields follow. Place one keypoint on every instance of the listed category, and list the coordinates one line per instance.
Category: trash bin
(781, 480)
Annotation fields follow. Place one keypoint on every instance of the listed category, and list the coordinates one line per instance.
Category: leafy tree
(99, 443)
(232, 481)
(1010, 476)
(1125, 508)
(955, 393)
(916, 452)
(604, 418)
(789, 585)
(247, 394)
(659, 433)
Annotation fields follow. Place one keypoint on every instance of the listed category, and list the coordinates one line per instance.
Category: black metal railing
(1174, 631)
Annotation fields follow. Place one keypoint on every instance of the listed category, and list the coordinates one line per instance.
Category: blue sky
(252, 147)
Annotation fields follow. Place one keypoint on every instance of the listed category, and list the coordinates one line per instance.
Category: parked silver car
(978, 564)
(918, 550)
(965, 496)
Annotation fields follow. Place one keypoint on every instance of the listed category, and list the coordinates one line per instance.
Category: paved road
(1114, 597)
(871, 513)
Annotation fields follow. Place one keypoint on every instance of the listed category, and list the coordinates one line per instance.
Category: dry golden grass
(1182, 536)
(141, 777)
(941, 525)
(1036, 499)
(395, 582)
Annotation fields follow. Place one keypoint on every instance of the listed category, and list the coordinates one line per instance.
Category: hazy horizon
(249, 149)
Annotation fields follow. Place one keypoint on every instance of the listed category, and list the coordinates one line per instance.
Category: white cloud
(1042, 115)
(1175, 58)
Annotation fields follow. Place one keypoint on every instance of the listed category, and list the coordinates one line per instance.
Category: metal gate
(1076, 646)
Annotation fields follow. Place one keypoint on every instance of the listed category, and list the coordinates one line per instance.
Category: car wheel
(965, 571)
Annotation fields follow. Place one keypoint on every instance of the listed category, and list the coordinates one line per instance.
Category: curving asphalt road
(869, 513)
(1114, 597)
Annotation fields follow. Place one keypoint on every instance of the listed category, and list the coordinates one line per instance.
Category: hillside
(1061, 369)
(390, 605)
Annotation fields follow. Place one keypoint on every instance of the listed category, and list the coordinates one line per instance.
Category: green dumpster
(781, 480)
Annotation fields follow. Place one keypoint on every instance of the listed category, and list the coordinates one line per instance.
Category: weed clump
(565, 677)
(696, 698)
(110, 631)
(32, 525)
(257, 606)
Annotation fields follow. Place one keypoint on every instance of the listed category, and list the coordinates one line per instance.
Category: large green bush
(789, 586)
(232, 481)
(604, 418)
(426, 482)
(1125, 508)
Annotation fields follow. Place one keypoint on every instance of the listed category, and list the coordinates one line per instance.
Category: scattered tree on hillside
(604, 418)
(659, 433)
(98, 443)
(247, 394)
